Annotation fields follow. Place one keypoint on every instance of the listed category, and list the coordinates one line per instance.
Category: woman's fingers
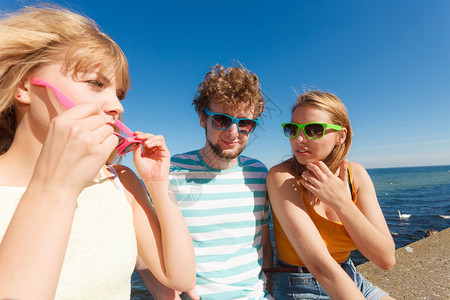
(320, 170)
(309, 181)
(151, 142)
(89, 132)
(325, 185)
(109, 144)
(105, 133)
(78, 143)
(317, 176)
(343, 171)
(90, 119)
(152, 160)
(307, 184)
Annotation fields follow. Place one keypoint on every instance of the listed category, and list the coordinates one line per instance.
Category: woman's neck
(17, 164)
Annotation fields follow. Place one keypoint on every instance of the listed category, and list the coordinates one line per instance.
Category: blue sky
(388, 61)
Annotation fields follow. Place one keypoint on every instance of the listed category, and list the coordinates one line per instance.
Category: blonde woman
(324, 207)
(71, 225)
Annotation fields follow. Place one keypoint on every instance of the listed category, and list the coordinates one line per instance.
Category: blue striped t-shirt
(224, 211)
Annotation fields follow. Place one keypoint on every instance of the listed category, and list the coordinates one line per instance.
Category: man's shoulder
(185, 161)
(187, 155)
(253, 163)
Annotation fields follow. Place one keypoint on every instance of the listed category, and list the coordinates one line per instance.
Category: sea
(421, 192)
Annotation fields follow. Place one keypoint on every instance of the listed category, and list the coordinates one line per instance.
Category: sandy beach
(422, 270)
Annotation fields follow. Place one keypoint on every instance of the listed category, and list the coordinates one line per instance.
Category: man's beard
(221, 153)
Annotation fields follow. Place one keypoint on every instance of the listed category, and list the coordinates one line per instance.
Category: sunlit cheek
(292, 142)
(243, 138)
(213, 135)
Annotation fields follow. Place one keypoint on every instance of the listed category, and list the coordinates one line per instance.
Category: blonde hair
(338, 116)
(39, 35)
(233, 88)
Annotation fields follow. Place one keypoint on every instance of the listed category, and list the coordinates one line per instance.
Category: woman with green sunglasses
(324, 207)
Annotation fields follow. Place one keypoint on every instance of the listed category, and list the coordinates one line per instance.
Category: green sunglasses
(312, 131)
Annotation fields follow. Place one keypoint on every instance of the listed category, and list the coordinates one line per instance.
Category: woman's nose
(113, 106)
(301, 137)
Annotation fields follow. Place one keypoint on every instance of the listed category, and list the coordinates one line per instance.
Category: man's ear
(341, 136)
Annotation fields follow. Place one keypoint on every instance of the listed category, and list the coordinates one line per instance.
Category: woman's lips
(303, 151)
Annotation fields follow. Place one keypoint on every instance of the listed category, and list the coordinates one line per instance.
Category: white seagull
(403, 216)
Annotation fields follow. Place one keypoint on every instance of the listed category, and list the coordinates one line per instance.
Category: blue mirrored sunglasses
(223, 122)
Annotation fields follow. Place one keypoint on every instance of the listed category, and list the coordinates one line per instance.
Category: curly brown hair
(233, 88)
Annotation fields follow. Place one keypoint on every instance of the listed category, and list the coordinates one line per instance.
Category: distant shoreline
(408, 167)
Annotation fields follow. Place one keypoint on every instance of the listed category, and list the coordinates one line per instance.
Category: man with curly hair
(222, 194)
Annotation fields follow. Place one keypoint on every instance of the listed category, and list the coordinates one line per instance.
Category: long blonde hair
(338, 115)
(39, 35)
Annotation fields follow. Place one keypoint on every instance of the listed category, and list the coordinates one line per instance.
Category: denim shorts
(304, 286)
